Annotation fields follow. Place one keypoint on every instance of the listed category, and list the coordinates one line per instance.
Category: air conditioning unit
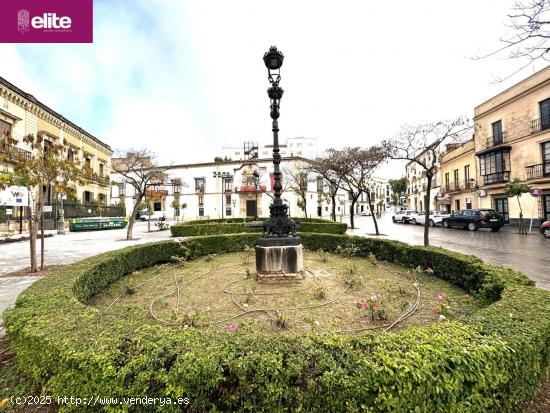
(481, 192)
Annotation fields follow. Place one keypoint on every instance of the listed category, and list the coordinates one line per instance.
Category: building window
(101, 169)
(88, 196)
(495, 167)
(121, 189)
(201, 200)
(447, 183)
(201, 211)
(544, 114)
(199, 184)
(546, 158)
(88, 162)
(157, 206)
(319, 184)
(498, 136)
(227, 184)
(457, 179)
(5, 131)
(176, 185)
(70, 155)
(468, 203)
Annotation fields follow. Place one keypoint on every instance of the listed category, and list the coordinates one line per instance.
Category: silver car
(435, 218)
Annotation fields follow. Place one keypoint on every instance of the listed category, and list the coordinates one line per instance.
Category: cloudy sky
(184, 78)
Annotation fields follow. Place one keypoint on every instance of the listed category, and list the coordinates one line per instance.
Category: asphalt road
(528, 253)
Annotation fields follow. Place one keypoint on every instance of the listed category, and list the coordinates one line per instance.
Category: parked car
(404, 216)
(143, 215)
(436, 218)
(365, 213)
(545, 229)
(474, 219)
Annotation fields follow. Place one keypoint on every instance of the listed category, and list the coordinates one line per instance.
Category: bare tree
(138, 168)
(296, 180)
(425, 139)
(357, 175)
(355, 166)
(529, 37)
(324, 166)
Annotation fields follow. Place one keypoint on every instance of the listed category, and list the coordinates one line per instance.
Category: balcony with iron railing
(541, 124)
(496, 140)
(250, 188)
(17, 152)
(538, 171)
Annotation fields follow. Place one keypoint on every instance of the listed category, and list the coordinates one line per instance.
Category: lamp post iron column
(279, 250)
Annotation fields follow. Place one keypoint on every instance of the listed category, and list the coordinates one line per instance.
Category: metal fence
(70, 209)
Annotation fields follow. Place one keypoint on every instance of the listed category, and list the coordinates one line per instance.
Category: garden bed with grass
(489, 355)
(337, 294)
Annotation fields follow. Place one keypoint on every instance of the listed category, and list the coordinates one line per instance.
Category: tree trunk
(40, 216)
(32, 239)
(42, 241)
(305, 205)
(522, 229)
(133, 218)
(427, 203)
(333, 197)
(371, 206)
(352, 212)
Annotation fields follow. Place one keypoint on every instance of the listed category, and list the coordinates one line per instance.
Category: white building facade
(239, 189)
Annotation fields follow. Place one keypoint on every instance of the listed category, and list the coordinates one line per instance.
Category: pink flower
(429, 270)
(366, 304)
(233, 327)
(441, 318)
(374, 297)
(435, 309)
(440, 297)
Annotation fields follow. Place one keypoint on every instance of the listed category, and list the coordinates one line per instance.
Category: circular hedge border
(493, 362)
(240, 225)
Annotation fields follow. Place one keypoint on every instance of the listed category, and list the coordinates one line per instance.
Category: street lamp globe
(273, 58)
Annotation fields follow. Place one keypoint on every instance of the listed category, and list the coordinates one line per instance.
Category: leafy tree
(516, 188)
(425, 139)
(139, 169)
(48, 167)
(398, 189)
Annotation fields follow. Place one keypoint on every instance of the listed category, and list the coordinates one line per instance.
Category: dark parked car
(474, 219)
(545, 229)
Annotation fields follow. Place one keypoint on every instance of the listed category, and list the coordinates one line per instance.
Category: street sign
(536, 192)
(14, 196)
(48, 208)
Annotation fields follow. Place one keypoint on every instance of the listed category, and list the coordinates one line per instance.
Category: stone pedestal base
(279, 262)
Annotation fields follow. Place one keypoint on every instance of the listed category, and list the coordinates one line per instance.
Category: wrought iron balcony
(538, 171)
(468, 184)
(496, 140)
(18, 152)
(250, 188)
(538, 125)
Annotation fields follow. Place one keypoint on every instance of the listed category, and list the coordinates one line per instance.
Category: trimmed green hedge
(493, 363)
(215, 227)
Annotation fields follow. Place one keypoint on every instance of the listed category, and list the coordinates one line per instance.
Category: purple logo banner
(46, 21)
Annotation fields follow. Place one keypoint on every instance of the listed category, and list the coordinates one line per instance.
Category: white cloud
(354, 71)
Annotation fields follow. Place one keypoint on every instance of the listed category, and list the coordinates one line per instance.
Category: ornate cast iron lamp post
(279, 250)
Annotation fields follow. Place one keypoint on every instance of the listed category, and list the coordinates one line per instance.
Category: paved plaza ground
(527, 253)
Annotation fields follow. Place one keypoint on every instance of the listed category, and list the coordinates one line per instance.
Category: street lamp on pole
(279, 250)
(279, 224)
